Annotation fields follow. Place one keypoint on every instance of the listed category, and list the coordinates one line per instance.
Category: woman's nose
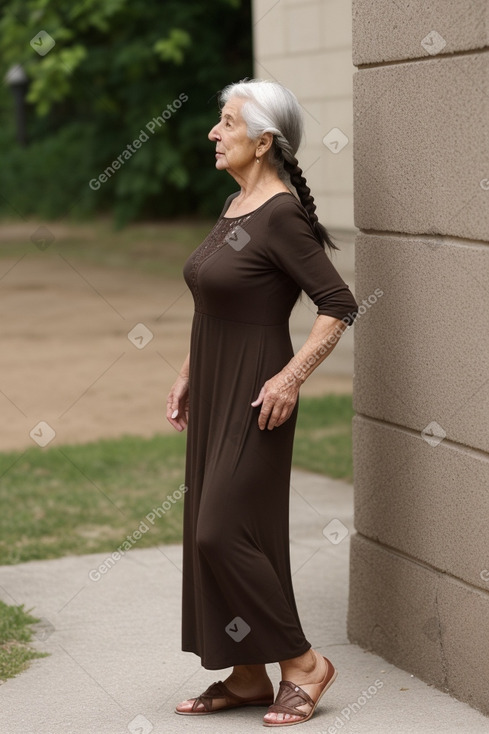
(213, 134)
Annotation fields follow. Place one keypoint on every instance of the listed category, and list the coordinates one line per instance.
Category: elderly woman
(237, 392)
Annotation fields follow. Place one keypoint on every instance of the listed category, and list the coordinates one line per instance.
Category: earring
(257, 159)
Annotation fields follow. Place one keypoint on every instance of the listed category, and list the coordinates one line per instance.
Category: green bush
(47, 178)
(114, 68)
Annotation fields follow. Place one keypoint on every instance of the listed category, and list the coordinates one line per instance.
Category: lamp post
(17, 80)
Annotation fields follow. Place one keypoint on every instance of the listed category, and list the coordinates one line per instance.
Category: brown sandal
(232, 700)
(290, 696)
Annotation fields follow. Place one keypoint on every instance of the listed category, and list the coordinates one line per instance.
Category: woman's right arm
(177, 401)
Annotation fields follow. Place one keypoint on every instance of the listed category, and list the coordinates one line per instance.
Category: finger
(265, 414)
(285, 416)
(175, 423)
(171, 405)
(183, 418)
(278, 415)
(169, 408)
(176, 417)
(179, 424)
(260, 398)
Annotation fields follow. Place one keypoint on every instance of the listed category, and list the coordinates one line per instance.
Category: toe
(187, 705)
(184, 706)
(273, 718)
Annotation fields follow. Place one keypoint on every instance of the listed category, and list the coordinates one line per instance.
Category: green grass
(323, 442)
(158, 248)
(15, 633)
(88, 498)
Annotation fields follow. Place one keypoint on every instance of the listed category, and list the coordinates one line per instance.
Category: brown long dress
(238, 603)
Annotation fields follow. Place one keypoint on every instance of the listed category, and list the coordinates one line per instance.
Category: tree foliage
(116, 66)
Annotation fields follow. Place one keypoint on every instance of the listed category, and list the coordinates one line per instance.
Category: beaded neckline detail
(226, 231)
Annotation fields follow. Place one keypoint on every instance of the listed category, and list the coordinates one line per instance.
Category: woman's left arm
(279, 394)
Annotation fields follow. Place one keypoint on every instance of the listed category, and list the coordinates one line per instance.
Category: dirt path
(67, 359)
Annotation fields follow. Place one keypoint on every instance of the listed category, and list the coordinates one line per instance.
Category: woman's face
(234, 150)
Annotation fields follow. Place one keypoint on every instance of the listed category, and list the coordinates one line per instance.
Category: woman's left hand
(277, 398)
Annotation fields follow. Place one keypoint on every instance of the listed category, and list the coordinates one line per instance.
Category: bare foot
(247, 681)
(306, 671)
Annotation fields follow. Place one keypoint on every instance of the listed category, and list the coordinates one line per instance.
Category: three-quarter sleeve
(293, 248)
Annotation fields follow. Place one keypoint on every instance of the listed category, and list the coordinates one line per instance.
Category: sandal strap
(288, 697)
(215, 690)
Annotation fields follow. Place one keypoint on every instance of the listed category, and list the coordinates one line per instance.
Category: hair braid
(298, 180)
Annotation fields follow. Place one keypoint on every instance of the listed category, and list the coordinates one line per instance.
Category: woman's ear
(264, 142)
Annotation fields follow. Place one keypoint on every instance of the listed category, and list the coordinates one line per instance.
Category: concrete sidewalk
(116, 664)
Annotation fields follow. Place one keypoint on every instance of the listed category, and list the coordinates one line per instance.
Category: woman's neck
(257, 185)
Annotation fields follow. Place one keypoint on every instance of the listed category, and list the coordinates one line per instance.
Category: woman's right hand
(177, 404)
